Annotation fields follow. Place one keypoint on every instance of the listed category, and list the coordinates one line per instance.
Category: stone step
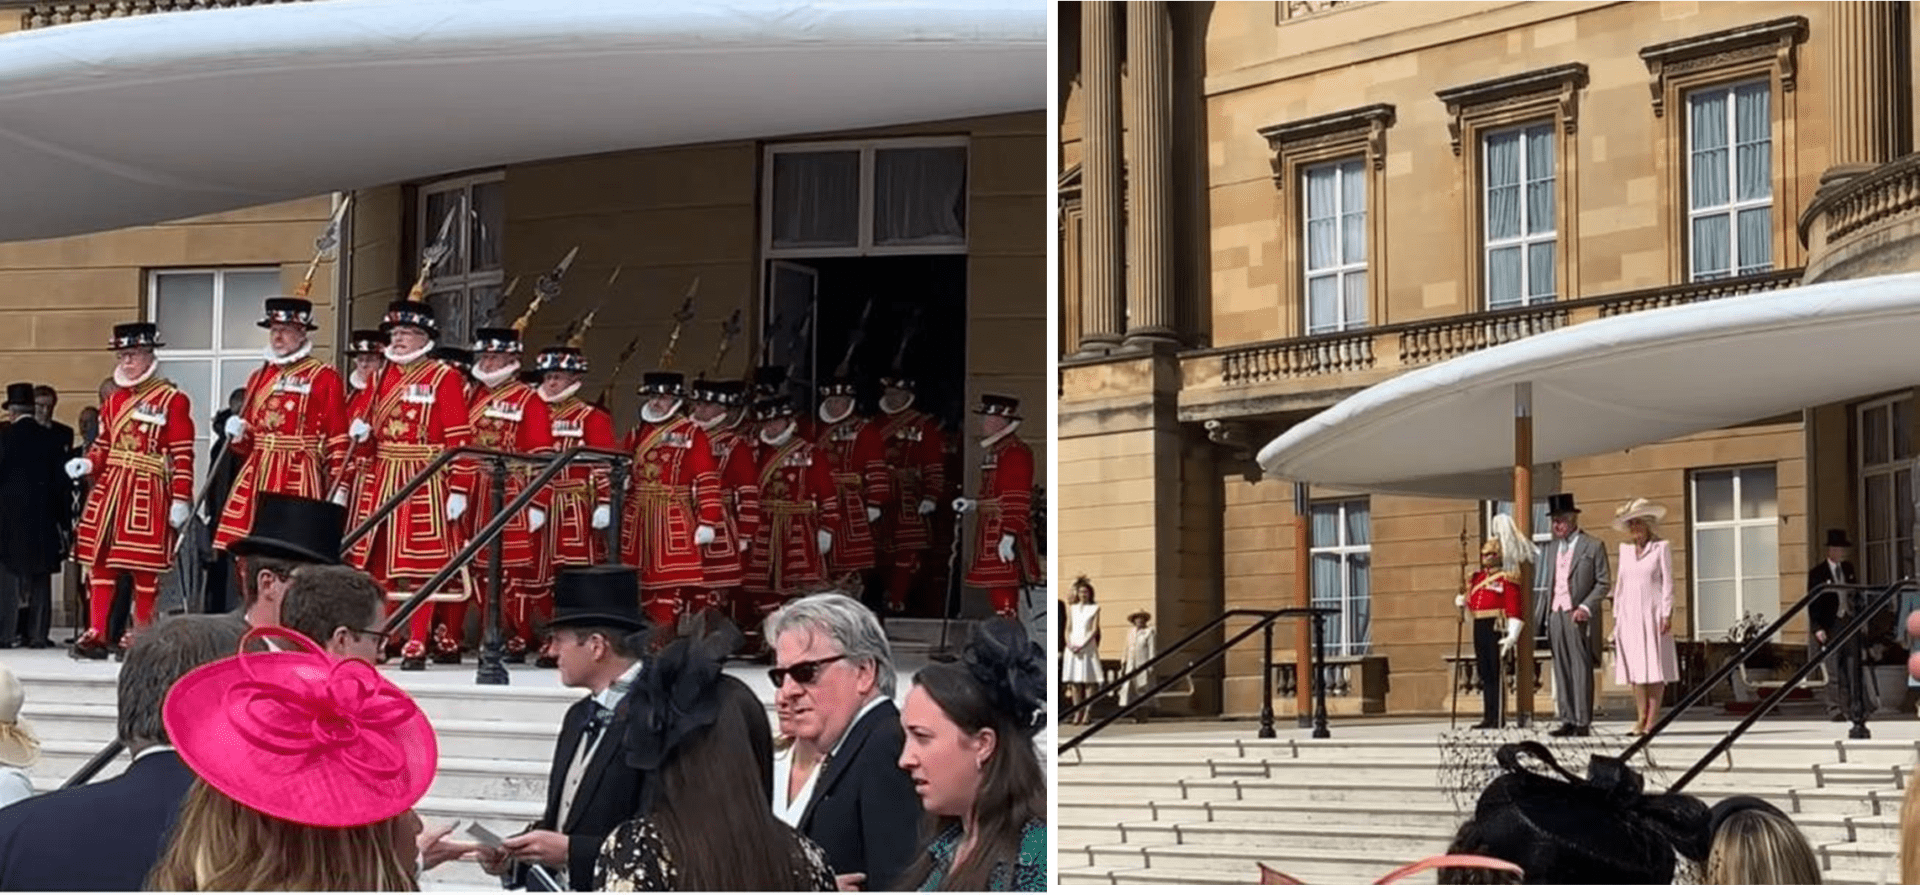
(1678, 749)
(476, 739)
(1319, 837)
(1223, 865)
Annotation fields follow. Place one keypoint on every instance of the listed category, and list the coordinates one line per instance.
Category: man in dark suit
(1823, 616)
(107, 836)
(38, 496)
(1572, 578)
(833, 665)
(591, 789)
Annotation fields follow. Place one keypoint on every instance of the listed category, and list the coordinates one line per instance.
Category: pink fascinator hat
(303, 735)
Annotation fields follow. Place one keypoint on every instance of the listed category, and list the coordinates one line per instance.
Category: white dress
(1083, 651)
(790, 812)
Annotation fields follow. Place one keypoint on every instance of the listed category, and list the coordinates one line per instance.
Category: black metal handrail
(380, 513)
(1263, 623)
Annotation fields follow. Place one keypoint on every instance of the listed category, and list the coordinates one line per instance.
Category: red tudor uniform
(916, 457)
(674, 495)
(581, 491)
(1006, 499)
(798, 503)
(858, 457)
(417, 411)
(508, 417)
(142, 464)
(739, 500)
(1493, 599)
(366, 343)
(292, 429)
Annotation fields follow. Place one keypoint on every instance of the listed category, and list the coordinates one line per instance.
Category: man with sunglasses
(288, 533)
(833, 666)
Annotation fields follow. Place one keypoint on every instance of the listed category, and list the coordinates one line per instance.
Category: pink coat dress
(1641, 598)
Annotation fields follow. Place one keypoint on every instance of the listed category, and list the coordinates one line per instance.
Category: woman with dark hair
(970, 727)
(1081, 669)
(706, 822)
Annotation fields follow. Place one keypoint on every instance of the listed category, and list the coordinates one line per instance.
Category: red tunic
(858, 458)
(739, 507)
(142, 463)
(578, 489)
(797, 500)
(916, 457)
(510, 418)
(353, 470)
(674, 489)
(417, 411)
(295, 440)
(1006, 501)
(1493, 591)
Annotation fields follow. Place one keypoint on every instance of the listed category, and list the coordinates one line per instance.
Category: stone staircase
(1201, 804)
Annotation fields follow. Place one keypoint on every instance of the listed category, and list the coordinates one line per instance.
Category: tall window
(1342, 554)
(1541, 528)
(1336, 247)
(208, 320)
(1730, 180)
(1520, 216)
(465, 288)
(876, 197)
(1736, 547)
(1886, 489)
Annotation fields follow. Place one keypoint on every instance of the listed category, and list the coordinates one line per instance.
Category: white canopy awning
(150, 118)
(1612, 384)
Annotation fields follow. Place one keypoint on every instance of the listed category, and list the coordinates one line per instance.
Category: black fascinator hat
(677, 692)
(1011, 669)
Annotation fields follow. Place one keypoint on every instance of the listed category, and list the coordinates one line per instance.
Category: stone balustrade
(48, 15)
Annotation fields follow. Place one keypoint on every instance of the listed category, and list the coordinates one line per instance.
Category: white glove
(1513, 635)
(745, 543)
(236, 427)
(1006, 548)
(1460, 600)
(927, 506)
(340, 496)
(359, 430)
(178, 515)
(825, 539)
(602, 516)
(535, 519)
(703, 535)
(873, 513)
(79, 468)
(963, 505)
(456, 506)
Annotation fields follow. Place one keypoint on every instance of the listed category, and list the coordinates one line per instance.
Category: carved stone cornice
(1560, 85)
(47, 15)
(1367, 125)
(1776, 38)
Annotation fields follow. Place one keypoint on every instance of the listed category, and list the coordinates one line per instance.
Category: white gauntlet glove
(236, 427)
(359, 430)
(79, 468)
(1513, 635)
(873, 514)
(1006, 548)
(963, 505)
(745, 543)
(602, 516)
(456, 506)
(825, 540)
(535, 519)
(178, 515)
(927, 506)
(703, 535)
(1460, 600)
(340, 495)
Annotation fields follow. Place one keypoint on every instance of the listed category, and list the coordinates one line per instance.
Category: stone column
(1149, 113)
(1103, 317)
(1871, 96)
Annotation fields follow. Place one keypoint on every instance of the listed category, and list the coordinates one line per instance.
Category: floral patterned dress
(1028, 873)
(635, 859)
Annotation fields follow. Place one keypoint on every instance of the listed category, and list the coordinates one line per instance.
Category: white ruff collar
(781, 438)
(355, 379)
(130, 383)
(833, 420)
(297, 354)
(563, 394)
(405, 359)
(988, 441)
(646, 412)
(493, 379)
(903, 406)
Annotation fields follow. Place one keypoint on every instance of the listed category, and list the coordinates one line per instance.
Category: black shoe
(1486, 725)
(1564, 730)
(546, 662)
(515, 659)
(41, 644)
(417, 663)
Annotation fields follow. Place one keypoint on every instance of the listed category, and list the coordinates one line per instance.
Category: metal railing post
(493, 667)
(616, 502)
(1266, 684)
(1318, 621)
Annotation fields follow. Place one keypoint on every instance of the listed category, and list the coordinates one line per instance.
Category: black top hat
(838, 386)
(662, 382)
(900, 381)
(457, 356)
(136, 335)
(1560, 503)
(732, 392)
(299, 529)
(297, 311)
(416, 314)
(560, 359)
(597, 596)
(20, 394)
(773, 407)
(768, 378)
(708, 391)
(1836, 537)
(999, 405)
(366, 341)
(497, 340)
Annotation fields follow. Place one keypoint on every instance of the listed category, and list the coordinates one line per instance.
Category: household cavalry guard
(291, 431)
(673, 502)
(799, 511)
(578, 505)
(718, 408)
(1004, 559)
(416, 411)
(506, 415)
(853, 449)
(916, 457)
(1493, 601)
(142, 468)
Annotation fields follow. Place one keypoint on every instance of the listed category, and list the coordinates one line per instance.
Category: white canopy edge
(1611, 385)
(149, 118)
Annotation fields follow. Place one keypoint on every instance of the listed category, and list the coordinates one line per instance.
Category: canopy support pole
(1302, 598)
(1523, 520)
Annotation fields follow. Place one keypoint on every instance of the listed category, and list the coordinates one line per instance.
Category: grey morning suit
(1576, 647)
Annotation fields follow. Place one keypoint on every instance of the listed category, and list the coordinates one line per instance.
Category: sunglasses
(804, 673)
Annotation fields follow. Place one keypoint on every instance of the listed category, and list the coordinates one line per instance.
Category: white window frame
(1735, 205)
(863, 244)
(1339, 634)
(1766, 603)
(1525, 241)
(215, 356)
(1899, 525)
(464, 281)
(1339, 270)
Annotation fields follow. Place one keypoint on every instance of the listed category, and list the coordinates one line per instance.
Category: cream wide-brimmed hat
(1637, 508)
(18, 747)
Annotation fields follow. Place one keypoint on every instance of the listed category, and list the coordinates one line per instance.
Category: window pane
(1353, 237)
(242, 303)
(1756, 239)
(183, 307)
(1874, 437)
(1326, 524)
(1901, 420)
(1758, 500)
(438, 205)
(1711, 251)
(1540, 270)
(1713, 497)
(1540, 207)
(1752, 115)
(1503, 159)
(1878, 493)
(1762, 595)
(1503, 277)
(483, 308)
(1759, 553)
(1323, 304)
(816, 199)
(1707, 119)
(487, 224)
(1356, 298)
(1540, 153)
(1713, 553)
(450, 311)
(1320, 244)
(1359, 607)
(1715, 607)
(1357, 518)
(920, 196)
(1503, 212)
(1322, 192)
(1326, 579)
